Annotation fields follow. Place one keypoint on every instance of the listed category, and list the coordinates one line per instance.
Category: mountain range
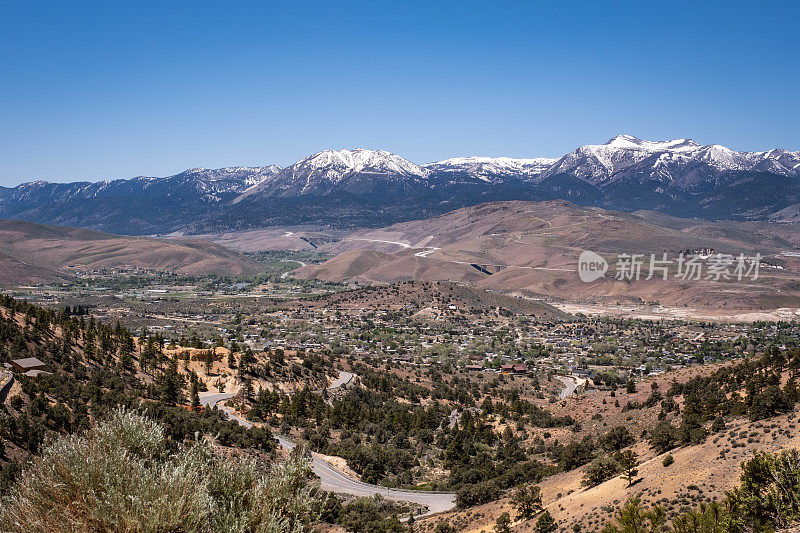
(372, 188)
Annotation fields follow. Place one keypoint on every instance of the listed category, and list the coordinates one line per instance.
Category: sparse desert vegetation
(123, 475)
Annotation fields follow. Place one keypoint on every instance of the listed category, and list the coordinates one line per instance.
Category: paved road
(570, 385)
(335, 481)
(343, 379)
(212, 399)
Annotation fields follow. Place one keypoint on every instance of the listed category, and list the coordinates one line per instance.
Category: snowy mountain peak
(490, 169)
(337, 162)
(631, 142)
(623, 141)
(355, 170)
(367, 187)
(479, 160)
(681, 162)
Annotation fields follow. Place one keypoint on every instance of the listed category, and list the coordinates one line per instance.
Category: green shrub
(668, 460)
(365, 515)
(121, 475)
(600, 470)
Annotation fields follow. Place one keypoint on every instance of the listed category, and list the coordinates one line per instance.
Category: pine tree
(209, 361)
(628, 461)
(195, 397)
(528, 501)
(171, 384)
(247, 390)
(503, 524)
(125, 363)
(546, 523)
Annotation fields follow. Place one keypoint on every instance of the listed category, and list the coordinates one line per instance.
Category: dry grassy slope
(699, 466)
(344, 266)
(15, 271)
(267, 239)
(220, 373)
(712, 466)
(789, 214)
(783, 233)
(412, 267)
(532, 248)
(38, 253)
(770, 292)
(420, 295)
(373, 266)
(571, 225)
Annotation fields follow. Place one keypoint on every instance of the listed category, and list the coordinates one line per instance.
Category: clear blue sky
(98, 90)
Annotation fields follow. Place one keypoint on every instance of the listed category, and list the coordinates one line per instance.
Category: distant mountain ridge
(682, 161)
(361, 188)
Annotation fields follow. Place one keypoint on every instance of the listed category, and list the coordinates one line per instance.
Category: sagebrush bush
(123, 476)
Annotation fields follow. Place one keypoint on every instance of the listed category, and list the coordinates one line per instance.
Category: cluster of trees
(749, 388)
(369, 515)
(528, 503)
(524, 411)
(607, 466)
(483, 464)
(92, 370)
(385, 434)
(604, 455)
(379, 432)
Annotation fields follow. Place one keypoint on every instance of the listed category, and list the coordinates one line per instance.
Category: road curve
(570, 385)
(343, 379)
(333, 480)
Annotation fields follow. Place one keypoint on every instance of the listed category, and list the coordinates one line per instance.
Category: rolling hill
(701, 472)
(436, 299)
(532, 249)
(34, 253)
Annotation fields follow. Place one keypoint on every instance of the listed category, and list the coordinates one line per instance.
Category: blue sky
(110, 89)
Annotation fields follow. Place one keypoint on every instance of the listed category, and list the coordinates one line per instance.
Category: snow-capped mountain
(135, 206)
(346, 170)
(492, 169)
(357, 188)
(211, 185)
(219, 184)
(680, 163)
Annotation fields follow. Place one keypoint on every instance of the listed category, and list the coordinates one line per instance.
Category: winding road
(332, 479)
(343, 379)
(570, 385)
